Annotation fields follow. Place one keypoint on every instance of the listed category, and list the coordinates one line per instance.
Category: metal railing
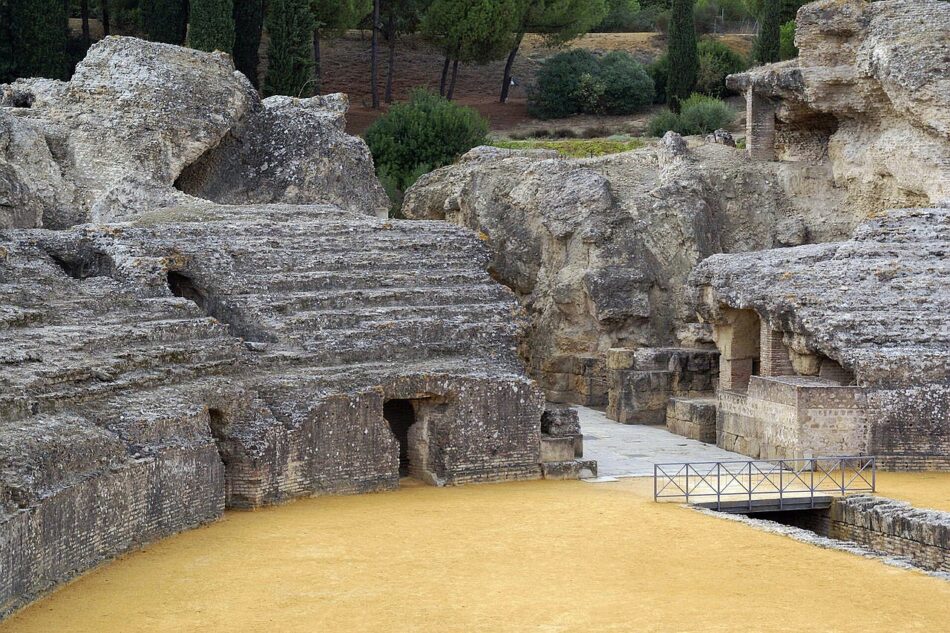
(782, 481)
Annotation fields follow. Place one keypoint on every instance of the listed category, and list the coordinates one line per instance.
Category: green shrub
(716, 61)
(663, 123)
(699, 114)
(419, 135)
(559, 83)
(786, 47)
(627, 85)
(576, 82)
(659, 72)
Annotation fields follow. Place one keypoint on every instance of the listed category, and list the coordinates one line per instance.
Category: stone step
(347, 319)
(339, 280)
(370, 299)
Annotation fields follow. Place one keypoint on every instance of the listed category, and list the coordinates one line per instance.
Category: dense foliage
(787, 48)
(290, 27)
(420, 135)
(716, 61)
(248, 27)
(767, 43)
(211, 25)
(576, 82)
(38, 39)
(659, 71)
(699, 114)
(165, 20)
(684, 60)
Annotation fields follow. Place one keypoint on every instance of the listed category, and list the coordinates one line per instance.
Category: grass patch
(575, 148)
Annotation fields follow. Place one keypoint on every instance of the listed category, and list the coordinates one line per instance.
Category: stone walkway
(630, 450)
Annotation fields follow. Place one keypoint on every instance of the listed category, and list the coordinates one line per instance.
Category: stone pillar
(760, 126)
(774, 354)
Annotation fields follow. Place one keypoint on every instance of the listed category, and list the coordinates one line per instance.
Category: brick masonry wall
(787, 418)
(103, 516)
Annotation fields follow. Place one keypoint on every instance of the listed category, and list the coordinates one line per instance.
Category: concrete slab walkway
(631, 450)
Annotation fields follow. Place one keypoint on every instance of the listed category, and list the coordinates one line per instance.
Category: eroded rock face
(292, 151)
(136, 114)
(869, 94)
(599, 250)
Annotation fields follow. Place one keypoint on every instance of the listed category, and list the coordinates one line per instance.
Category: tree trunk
(84, 14)
(392, 57)
(445, 75)
(506, 81)
(317, 71)
(455, 75)
(106, 27)
(373, 65)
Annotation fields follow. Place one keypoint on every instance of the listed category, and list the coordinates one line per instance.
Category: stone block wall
(793, 417)
(889, 527)
(693, 418)
(641, 381)
(910, 427)
(572, 378)
(760, 126)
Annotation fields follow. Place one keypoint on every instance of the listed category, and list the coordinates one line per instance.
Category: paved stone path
(630, 450)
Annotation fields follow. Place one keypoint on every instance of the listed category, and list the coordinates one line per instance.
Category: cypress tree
(290, 27)
(684, 59)
(211, 25)
(38, 30)
(166, 20)
(248, 24)
(7, 69)
(767, 45)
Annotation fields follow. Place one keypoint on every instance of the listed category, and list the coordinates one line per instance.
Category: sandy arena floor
(533, 556)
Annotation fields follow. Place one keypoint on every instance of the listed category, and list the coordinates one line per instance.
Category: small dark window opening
(400, 414)
(84, 265)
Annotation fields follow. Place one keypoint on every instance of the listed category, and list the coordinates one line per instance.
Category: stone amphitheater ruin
(203, 305)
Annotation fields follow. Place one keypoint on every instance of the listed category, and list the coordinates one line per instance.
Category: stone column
(760, 126)
(774, 354)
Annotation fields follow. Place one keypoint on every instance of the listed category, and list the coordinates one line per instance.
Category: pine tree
(211, 25)
(166, 20)
(248, 26)
(767, 45)
(684, 59)
(333, 18)
(38, 30)
(290, 27)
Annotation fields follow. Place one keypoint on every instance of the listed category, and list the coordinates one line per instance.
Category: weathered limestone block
(293, 151)
(694, 418)
(642, 381)
(113, 141)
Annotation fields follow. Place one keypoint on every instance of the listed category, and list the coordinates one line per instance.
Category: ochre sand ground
(533, 556)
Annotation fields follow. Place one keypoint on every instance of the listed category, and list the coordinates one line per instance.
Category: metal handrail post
(781, 485)
(687, 483)
(811, 486)
(841, 467)
(655, 476)
(749, 489)
(718, 487)
(873, 475)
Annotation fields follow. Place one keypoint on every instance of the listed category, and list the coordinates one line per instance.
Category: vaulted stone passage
(401, 414)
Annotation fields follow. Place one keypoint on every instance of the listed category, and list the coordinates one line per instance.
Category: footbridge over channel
(754, 486)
